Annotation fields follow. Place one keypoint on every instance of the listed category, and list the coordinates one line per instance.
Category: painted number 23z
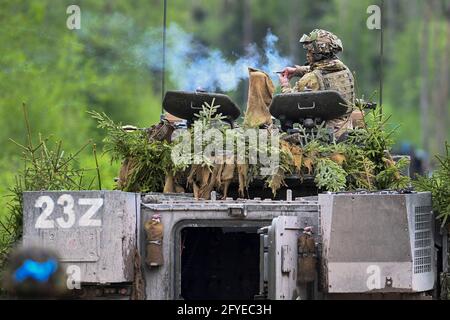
(68, 220)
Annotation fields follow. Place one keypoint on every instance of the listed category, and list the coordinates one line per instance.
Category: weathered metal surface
(92, 230)
(165, 282)
(156, 197)
(390, 236)
(282, 264)
(377, 242)
(372, 219)
(326, 105)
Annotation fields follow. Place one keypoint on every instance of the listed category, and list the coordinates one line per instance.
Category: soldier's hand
(289, 72)
(284, 80)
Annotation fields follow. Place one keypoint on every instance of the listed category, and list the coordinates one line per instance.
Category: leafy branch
(145, 162)
(46, 166)
(439, 186)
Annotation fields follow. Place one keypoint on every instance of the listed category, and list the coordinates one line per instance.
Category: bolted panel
(377, 242)
(94, 231)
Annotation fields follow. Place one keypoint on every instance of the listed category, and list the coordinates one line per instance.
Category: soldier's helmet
(322, 42)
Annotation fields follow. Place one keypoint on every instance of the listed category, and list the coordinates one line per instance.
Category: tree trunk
(434, 82)
(392, 9)
(294, 30)
(425, 77)
(412, 9)
(247, 23)
(442, 116)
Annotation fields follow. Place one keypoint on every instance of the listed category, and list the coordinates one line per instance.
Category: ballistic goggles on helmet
(309, 38)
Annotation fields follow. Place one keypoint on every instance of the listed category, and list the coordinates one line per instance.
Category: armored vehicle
(302, 244)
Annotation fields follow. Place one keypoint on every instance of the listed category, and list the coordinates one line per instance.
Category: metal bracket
(237, 211)
(286, 259)
(306, 108)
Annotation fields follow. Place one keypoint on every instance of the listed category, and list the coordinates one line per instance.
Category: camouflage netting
(145, 154)
(362, 161)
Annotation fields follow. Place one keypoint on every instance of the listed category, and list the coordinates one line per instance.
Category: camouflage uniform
(326, 73)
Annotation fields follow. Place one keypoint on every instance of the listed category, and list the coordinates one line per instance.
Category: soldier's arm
(300, 71)
(308, 82)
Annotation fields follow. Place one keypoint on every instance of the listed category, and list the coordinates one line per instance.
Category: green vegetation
(362, 161)
(145, 162)
(61, 73)
(330, 176)
(46, 166)
(439, 186)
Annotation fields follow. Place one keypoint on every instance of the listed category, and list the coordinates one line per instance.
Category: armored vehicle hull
(363, 245)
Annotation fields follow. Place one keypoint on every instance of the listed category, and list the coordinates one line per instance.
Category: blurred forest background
(60, 73)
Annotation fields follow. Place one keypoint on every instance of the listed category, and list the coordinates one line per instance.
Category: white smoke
(191, 65)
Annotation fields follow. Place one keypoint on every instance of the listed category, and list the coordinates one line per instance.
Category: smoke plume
(191, 65)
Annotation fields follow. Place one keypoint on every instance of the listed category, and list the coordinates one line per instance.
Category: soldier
(324, 71)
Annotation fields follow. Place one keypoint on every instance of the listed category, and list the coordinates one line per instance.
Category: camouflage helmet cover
(322, 41)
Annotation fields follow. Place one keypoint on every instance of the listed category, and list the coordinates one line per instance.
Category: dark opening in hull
(219, 263)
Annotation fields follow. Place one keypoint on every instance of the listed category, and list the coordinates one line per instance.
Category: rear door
(278, 259)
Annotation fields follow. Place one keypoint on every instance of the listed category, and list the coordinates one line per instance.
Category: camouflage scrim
(322, 41)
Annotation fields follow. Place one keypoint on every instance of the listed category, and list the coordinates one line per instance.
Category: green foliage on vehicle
(145, 162)
(439, 186)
